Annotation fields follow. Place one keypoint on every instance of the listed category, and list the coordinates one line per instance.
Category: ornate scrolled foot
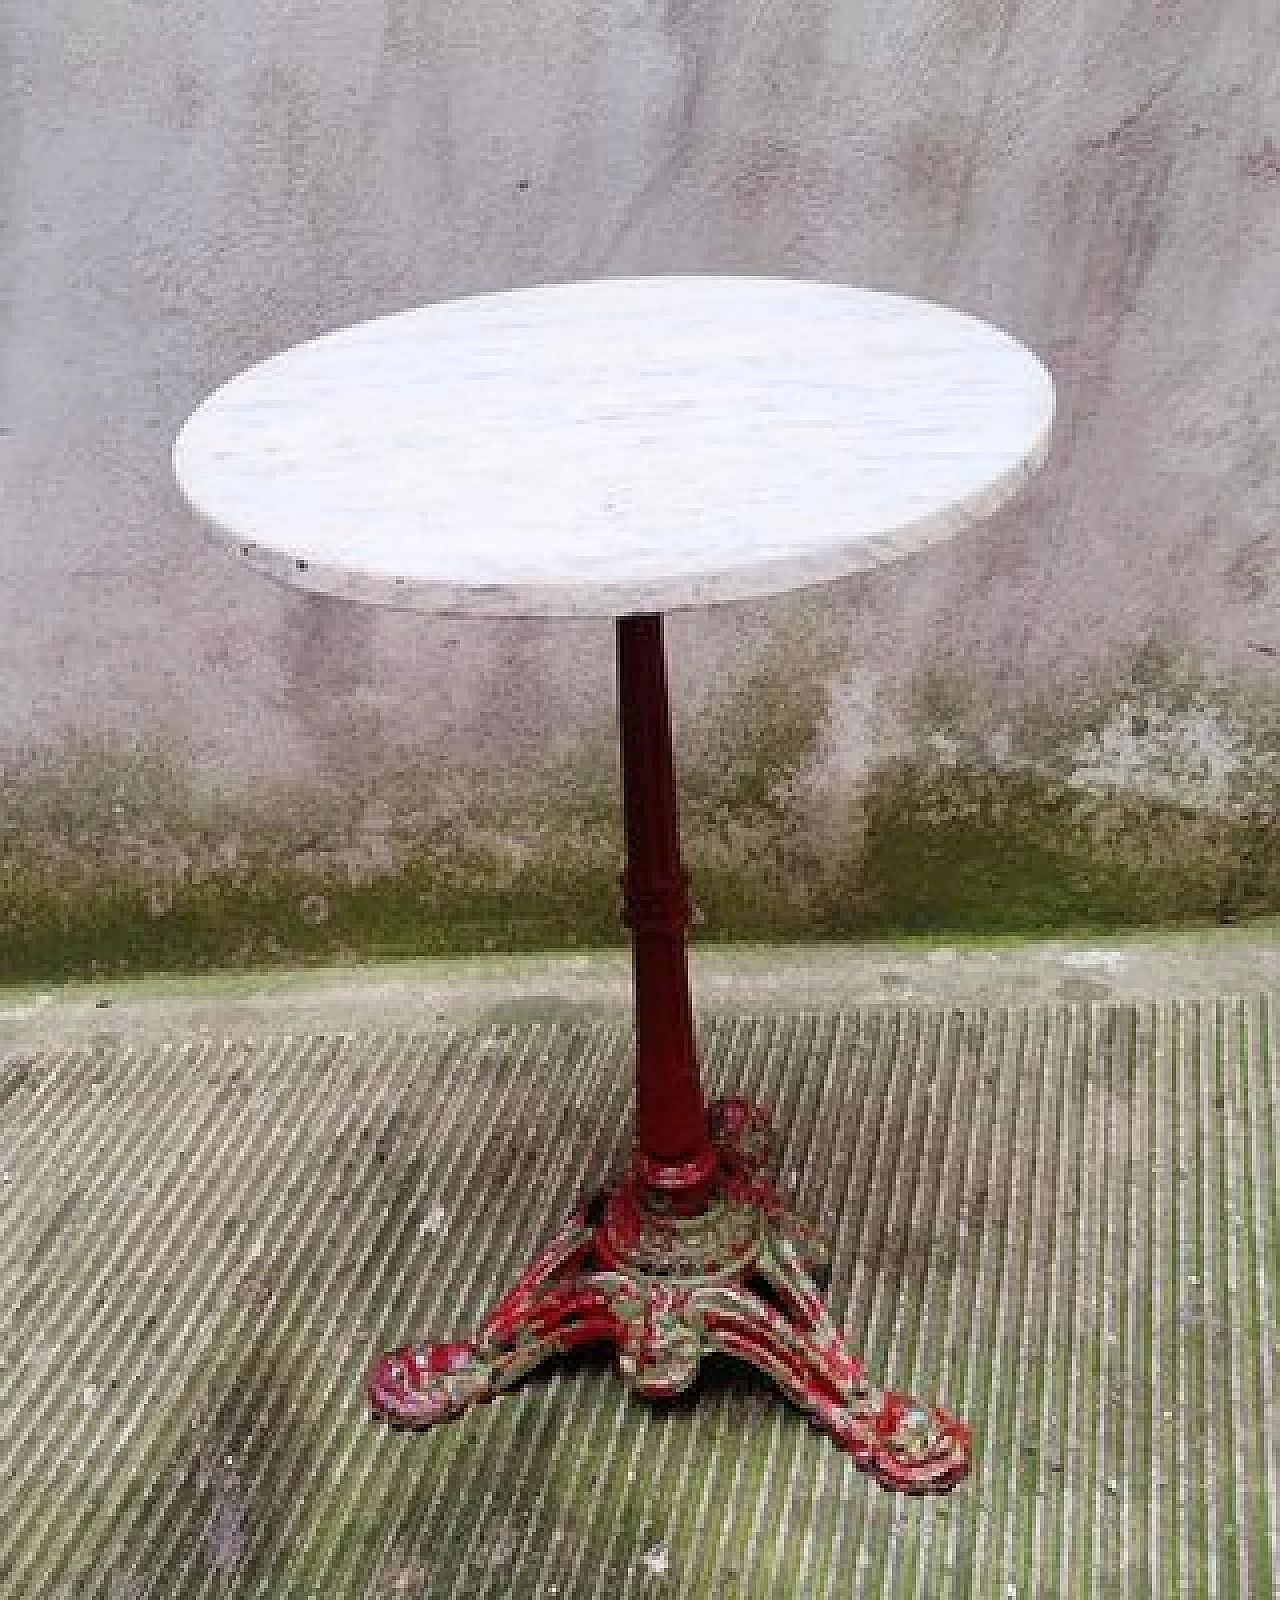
(417, 1385)
(913, 1448)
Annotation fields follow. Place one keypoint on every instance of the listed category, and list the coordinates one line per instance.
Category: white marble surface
(618, 445)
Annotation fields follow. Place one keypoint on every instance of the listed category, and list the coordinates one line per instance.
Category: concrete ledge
(734, 978)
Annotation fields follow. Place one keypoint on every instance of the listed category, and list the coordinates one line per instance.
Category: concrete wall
(189, 188)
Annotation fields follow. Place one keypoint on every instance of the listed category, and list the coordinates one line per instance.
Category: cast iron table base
(693, 1251)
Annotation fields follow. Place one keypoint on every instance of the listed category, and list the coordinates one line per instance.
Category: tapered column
(674, 1157)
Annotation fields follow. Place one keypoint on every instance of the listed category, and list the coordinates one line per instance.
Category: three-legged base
(739, 1279)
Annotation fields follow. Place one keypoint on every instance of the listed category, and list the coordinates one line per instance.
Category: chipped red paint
(694, 1250)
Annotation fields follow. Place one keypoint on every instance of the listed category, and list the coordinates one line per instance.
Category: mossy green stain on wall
(110, 864)
(979, 851)
(958, 851)
(764, 736)
(273, 914)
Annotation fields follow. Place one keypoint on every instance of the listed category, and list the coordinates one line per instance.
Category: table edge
(600, 600)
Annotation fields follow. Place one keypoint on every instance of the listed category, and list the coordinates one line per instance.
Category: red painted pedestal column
(674, 1158)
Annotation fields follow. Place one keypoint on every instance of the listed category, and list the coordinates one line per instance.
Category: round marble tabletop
(617, 445)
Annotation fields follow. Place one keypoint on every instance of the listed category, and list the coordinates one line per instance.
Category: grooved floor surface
(1060, 1221)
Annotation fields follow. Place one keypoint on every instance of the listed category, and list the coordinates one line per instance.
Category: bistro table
(618, 449)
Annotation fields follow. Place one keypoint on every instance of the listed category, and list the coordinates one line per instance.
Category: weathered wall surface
(1071, 716)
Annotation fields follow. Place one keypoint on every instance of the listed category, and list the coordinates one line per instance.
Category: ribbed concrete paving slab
(1060, 1221)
